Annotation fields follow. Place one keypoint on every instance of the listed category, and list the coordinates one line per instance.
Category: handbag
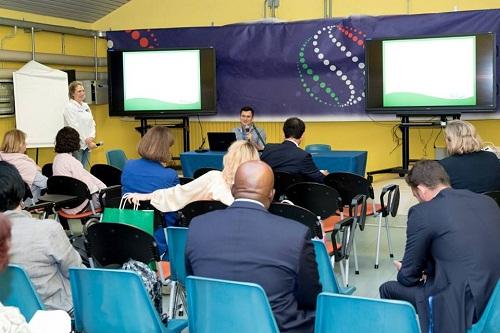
(142, 219)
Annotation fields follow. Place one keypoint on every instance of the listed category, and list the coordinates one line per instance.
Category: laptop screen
(220, 141)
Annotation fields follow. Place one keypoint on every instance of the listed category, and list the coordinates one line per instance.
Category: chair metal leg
(180, 307)
(171, 303)
(347, 258)
(346, 273)
(356, 267)
(342, 273)
(391, 254)
(379, 227)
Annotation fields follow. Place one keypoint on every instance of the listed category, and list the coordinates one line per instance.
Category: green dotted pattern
(306, 72)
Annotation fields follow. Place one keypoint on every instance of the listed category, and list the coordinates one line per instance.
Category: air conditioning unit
(6, 97)
(96, 91)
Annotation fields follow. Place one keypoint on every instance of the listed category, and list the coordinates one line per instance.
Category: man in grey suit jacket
(247, 243)
(451, 262)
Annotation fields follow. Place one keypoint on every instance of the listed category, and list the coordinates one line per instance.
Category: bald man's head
(254, 180)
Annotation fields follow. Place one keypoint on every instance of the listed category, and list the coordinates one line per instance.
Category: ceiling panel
(83, 10)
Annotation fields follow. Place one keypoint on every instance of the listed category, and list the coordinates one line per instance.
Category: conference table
(333, 161)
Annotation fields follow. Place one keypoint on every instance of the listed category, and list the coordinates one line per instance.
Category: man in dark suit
(247, 243)
(451, 262)
(289, 157)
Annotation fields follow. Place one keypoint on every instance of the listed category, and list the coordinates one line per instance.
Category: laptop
(220, 141)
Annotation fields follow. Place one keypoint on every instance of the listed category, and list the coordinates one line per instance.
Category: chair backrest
(47, 170)
(17, 290)
(282, 181)
(389, 200)
(347, 228)
(341, 313)
(495, 195)
(112, 301)
(27, 193)
(490, 319)
(327, 277)
(185, 180)
(116, 158)
(359, 217)
(299, 214)
(359, 210)
(176, 239)
(116, 243)
(69, 186)
(201, 171)
(349, 185)
(110, 196)
(320, 199)
(318, 147)
(108, 174)
(196, 208)
(228, 306)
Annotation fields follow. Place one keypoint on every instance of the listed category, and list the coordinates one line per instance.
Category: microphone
(100, 143)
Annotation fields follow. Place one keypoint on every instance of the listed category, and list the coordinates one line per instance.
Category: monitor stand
(405, 126)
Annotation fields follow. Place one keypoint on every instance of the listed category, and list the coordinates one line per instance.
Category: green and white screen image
(429, 72)
(162, 80)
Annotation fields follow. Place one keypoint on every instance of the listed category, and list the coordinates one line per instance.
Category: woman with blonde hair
(13, 151)
(213, 185)
(469, 166)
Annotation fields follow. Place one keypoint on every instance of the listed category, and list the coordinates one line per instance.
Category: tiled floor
(369, 278)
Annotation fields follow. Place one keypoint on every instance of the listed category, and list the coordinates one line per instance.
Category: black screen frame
(207, 83)
(486, 79)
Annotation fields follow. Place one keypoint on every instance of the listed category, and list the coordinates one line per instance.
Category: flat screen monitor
(162, 82)
(431, 75)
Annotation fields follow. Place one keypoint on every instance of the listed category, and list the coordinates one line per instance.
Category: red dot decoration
(143, 42)
(135, 34)
(352, 33)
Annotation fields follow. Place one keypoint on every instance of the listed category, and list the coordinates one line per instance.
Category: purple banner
(308, 68)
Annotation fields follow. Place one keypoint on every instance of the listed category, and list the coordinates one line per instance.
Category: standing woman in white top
(78, 115)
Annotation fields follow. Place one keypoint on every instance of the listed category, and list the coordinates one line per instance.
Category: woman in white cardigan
(78, 115)
(213, 185)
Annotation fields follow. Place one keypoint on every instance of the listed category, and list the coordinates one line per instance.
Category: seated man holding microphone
(247, 129)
